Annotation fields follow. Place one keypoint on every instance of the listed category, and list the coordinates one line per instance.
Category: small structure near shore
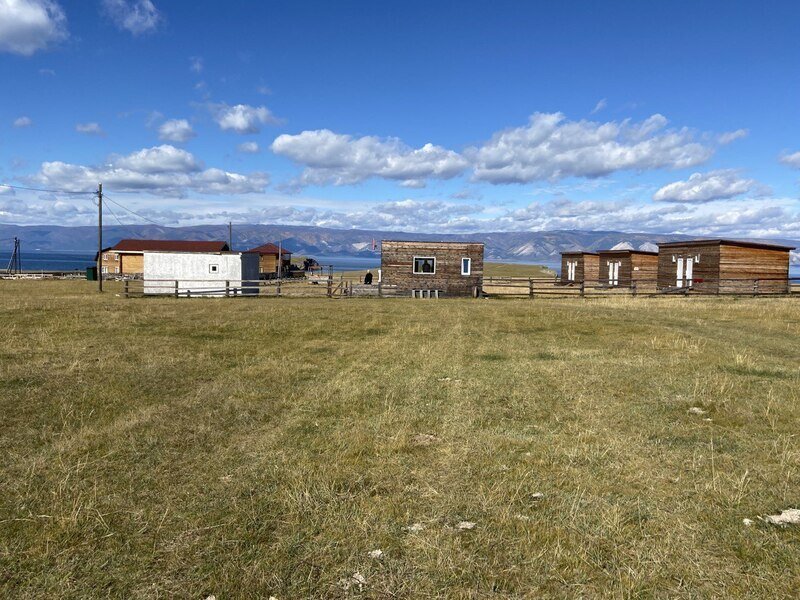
(628, 268)
(268, 259)
(722, 266)
(580, 267)
(432, 269)
(126, 257)
(195, 274)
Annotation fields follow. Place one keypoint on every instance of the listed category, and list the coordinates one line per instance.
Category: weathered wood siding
(132, 264)
(586, 268)
(741, 266)
(397, 267)
(705, 272)
(635, 267)
(727, 268)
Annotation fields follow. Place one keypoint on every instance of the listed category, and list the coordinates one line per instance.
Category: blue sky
(425, 116)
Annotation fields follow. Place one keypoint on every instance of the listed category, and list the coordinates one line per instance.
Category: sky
(667, 117)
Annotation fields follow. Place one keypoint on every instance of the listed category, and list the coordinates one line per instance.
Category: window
(466, 266)
(424, 265)
(116, 269)
(380, 275)
(571, 267)
(105, 257)
(104, 270)
(116, 257)
(213, 268)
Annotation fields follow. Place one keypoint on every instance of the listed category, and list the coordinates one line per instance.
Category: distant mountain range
(523, 246)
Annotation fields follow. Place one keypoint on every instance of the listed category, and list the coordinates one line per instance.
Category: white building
(200, 273)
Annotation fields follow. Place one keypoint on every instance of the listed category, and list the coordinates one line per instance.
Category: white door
(679, 278)
(571, 265)
(613, 272)
(685, 271)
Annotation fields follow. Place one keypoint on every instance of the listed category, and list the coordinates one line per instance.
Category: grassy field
(156, 448)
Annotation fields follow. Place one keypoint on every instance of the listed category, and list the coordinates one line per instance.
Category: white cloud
(196, 64)
(706, 187)
(22, 122)
(341, 159)
(163, 170)
(791, 160)
(243, 118)
(89, 128)
(135, 16)
(248, 148)
(27, 26)
(599, 106)
(552, 148)
(732, 136)
(176, 130)
(47, 72)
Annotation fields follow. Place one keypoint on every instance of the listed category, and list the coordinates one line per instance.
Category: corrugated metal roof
(170, 246)
(267, 249)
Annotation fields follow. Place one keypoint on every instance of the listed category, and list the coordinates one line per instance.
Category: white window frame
(414, 265)
(380, 275)
(116, 269)
(104, 270)
(105, 257)
(116, 257)
(572, 267)
(213, 268)
(468, 270)
(613, 272)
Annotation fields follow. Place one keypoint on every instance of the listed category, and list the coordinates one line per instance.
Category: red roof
(170, 246)
(267, 249)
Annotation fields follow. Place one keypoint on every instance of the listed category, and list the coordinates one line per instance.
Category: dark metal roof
(170, 246)
(720, 242)
(579, 252)
(267, 249)
(628, 252)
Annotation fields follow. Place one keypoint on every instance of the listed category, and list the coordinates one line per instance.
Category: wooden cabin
(268, 259)
(623, 268)
(126, 257)
(724, 267)
(579, 267)
(432, 269)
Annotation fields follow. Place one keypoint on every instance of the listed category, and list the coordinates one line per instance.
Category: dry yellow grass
(179, 448)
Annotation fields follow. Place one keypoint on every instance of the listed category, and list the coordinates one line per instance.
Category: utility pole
(99, 237)
(230, 236)
(280, 258)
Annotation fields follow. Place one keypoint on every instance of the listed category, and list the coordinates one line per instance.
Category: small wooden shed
(624, 268)
(268, 259)
(432, 269)
(579, 267)
(722, 266)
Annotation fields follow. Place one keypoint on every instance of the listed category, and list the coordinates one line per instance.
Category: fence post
(176, 288)
(227, 288)
(330, 285)
(278, 289)
(633, 288)
(380, 290)
(755, 287)
(530, 287)
(125, 288)
(583, 288)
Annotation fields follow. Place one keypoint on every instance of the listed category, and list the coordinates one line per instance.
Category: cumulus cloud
(243, 118)
(89, 129)
(791, 160)
(552, 148)
(163, 170)
(27, 26)
(707, 187)
(342, 159)
(135, 16)
(176, 130)
(248, 148)
(20, 122)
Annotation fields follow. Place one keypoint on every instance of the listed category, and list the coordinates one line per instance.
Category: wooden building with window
(432, 269)
(268, 259)
(126, 257)
(624, 268)
(579, 267)
(724, 267)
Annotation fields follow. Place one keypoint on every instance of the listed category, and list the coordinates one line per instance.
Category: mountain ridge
(312, 240)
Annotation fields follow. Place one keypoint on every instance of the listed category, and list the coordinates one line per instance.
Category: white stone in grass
(790, 516)
(696, 410)
(376, 554)
(465, 525)
(748, 522)
(537, 496)
(356, 579)
(414, 528)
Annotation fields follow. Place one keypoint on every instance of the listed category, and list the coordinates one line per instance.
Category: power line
(113, 214)
(133, 212)
(30, 189)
